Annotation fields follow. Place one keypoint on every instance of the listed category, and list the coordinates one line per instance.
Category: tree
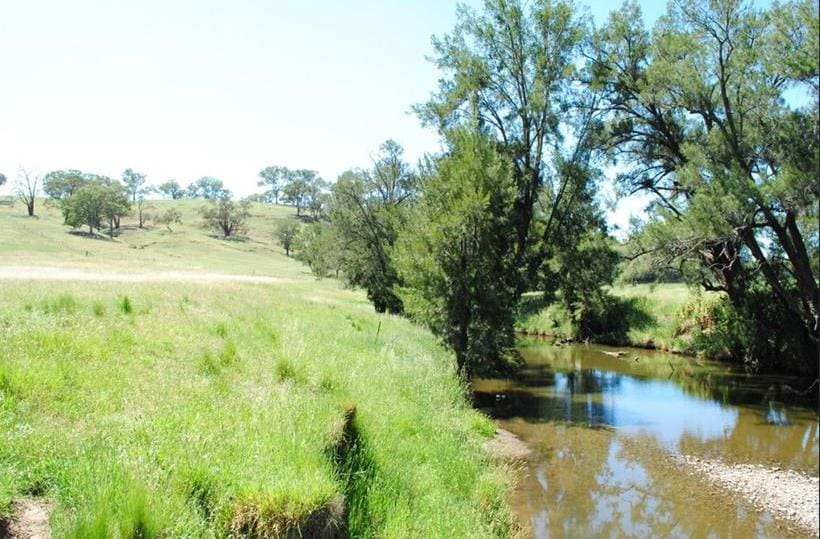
(286, 233)
(99, 201)
(226, 216)
(698, 112)
(61, 184)
(301, 186)
(2, 179)
(368, 210)
(26, 189)
(142, 205)
(133, 182)
(208, 188)
(455, 260)
(274, 178)
(169, 217)
(318, 247)
(511, 78)
(172, 190)
(510, 72)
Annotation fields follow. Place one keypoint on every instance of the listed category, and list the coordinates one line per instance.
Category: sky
(188, 88)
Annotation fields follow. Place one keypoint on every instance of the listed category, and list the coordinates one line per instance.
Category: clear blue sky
(183, 89)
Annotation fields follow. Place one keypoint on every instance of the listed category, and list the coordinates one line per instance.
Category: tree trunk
(30, 208)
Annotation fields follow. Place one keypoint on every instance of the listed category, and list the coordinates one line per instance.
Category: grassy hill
(226, 409)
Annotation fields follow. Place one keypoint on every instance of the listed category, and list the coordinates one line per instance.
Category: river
(602, 430)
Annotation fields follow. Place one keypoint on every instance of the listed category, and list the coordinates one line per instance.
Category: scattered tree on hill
(2, 179)
(26, 189)
(142, 206)
(302, 185)
(368, 211)
(226, 216)
(274, 178)
(172, 190)
(697, 110)
(208, 188)
(286, 233)
(169, 217)
(134, 182)
(317, 245)
(61, 184)
(98, 202)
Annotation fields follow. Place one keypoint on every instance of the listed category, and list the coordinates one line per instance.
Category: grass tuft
(125, 305)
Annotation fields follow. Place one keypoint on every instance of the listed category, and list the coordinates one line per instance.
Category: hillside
(214, 408)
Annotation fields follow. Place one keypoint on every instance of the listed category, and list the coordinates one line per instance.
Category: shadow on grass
(90, 235)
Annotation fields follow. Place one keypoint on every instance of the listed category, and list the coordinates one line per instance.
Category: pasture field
(175, 408)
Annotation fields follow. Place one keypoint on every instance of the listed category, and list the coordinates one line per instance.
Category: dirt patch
(69, 274)
(507, 446)
(29, 520)
(789, 495)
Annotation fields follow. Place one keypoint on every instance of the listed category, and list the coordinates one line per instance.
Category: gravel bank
(789, 495)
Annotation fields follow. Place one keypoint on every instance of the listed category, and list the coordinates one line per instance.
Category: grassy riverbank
(659, 316)
(181, 408)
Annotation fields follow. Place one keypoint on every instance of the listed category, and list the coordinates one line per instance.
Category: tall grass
(217, 411)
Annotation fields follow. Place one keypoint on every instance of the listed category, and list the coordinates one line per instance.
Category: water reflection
(602, 428)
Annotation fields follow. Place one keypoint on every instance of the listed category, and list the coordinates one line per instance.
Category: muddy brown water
(602, 430)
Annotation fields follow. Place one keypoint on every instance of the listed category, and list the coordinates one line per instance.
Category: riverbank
(790, 495)
(649, 316)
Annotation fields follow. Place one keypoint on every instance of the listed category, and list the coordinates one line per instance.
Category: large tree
(511, 76)
(368, 210)
(171, 189)
(98, 202)
(301, 187)
(209, 188)
(226, 216)
(455, 259)
(274, 178)
(699, 117)
(134, 182)
(61, 184)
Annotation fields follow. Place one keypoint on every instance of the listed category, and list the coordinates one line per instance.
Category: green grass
(46, 240)
(663, 302)
(174, 409)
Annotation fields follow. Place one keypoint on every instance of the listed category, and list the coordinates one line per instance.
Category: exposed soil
(67, 274)
(30, 520)
(507, 446)
(787, 494)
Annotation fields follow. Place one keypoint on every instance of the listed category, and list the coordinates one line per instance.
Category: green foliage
(699, 109)
(171, 189)
(369, 212)
(125, 305)
(98, 201)
(61, 184)
(317, 245)
(302, 188)
(134, 182)
(208, 188)
(286, 233)
(169, 217)
(226, 216)
(457, 259)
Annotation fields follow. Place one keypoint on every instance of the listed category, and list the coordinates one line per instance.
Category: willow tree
(699, 116)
